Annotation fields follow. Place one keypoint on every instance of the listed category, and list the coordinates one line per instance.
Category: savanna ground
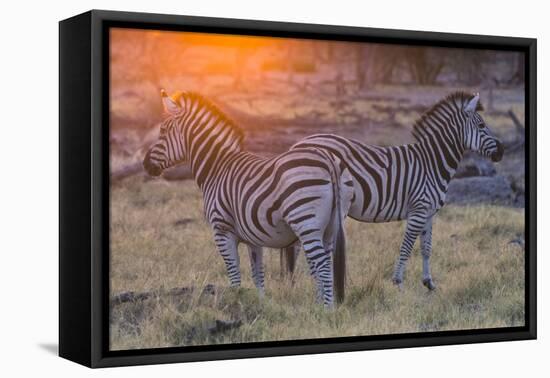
(160, 241)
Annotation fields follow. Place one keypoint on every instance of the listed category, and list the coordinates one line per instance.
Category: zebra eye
(481, 125)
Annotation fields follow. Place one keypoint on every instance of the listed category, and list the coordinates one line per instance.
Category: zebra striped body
(411, 181)
(261, 202)
(388, 181)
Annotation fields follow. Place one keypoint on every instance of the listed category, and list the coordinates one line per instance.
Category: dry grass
(159, 240)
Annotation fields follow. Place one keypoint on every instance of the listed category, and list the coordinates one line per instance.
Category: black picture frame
(84, 188)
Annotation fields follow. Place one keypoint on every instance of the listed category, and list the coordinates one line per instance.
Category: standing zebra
(302, 194)
(410, 181)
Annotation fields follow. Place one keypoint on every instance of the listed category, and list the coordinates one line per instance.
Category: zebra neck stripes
(211, 139)
(440, 159)
(440, 139)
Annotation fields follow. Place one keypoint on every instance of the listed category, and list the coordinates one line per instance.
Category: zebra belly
(279, 236)
(372, 214)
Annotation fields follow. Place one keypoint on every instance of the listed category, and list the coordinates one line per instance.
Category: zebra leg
(415, 224)
(426, 248)
(319, 261)
(227, 246)
(313, 272)
(257, 266)
(288, 258)
(326, 272)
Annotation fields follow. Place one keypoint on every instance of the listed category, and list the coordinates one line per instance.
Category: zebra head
(477, 136)
(169, 149)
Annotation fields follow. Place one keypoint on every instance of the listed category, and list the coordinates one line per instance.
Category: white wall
(29, 189)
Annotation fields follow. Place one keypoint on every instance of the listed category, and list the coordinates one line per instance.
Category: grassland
(159, 240)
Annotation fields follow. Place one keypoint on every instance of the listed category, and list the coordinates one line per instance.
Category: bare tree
(423, 66)
(381, 62)
(360, 69)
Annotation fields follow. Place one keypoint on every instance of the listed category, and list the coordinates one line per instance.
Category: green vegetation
(160, 240)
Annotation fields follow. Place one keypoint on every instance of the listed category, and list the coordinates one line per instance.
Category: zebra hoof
(398, 282)
(428, 282)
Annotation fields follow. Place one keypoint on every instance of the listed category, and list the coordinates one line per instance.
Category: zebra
(410, 182)
(301, 194)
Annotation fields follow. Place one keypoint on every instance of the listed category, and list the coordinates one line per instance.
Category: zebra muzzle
(151, 169)
(497, 155)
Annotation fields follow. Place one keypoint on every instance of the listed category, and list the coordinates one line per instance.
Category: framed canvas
(234, 188)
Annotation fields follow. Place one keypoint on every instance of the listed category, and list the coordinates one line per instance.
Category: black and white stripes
(304, 194)
(301, 194)
(410, 181)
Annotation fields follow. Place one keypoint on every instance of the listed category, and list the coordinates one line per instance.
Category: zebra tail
(340, 264)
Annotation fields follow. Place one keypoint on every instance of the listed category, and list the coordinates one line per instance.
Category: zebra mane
(214, 109)
(456, 100)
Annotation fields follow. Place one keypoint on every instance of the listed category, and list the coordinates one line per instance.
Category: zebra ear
(471, 105)
(171, 106)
